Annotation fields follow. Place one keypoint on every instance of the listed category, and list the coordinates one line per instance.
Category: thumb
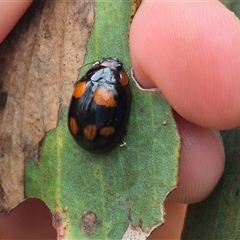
(191, 52)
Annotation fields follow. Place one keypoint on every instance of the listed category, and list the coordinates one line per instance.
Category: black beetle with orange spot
(100, 106)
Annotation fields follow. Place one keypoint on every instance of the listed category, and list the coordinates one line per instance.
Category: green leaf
(97, 196)
(233, 5)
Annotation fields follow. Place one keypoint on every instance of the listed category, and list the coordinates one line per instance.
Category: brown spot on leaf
(1, 192)
(140, 223)
(32, 151)
(57, 220)
(3, 100)
(89, 222)
(58, 224)
(130, 215)
(5, 143)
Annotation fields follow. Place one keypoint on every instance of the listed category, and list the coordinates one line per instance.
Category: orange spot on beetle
(106, 131)
(90, 132)
(79, 89)
(104, 97)
(123, 78)
(73, 125)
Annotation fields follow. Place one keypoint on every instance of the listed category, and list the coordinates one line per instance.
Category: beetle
(100, 106)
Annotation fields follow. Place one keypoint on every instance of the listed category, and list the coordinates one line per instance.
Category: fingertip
(202, 162)
(173, 225)
(10, 13)
(191, 59)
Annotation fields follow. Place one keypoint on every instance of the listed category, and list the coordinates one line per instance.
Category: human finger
(191, 52)
(201, 162)
(10, 13)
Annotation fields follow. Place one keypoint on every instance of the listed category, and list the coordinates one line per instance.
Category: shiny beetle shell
(100, 105)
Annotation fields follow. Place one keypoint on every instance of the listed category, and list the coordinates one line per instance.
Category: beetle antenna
(85, 65)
